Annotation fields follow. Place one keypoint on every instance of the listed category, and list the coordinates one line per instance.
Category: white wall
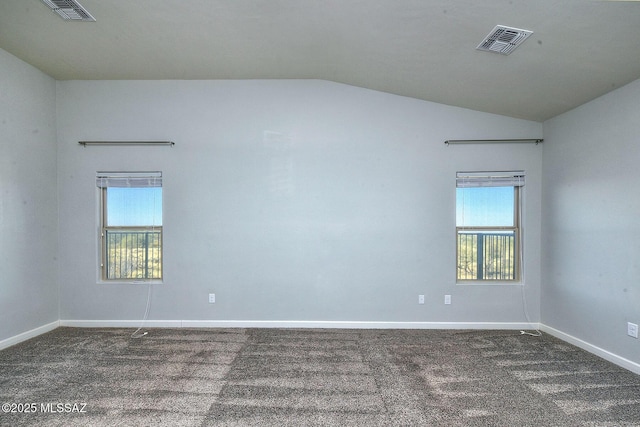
(308, 200)
(291, 200)
(591, 222)
(28, 203)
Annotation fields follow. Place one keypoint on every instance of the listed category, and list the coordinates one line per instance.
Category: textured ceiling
(425, 49)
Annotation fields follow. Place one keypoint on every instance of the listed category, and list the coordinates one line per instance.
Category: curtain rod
(85, 143)
(492, 141)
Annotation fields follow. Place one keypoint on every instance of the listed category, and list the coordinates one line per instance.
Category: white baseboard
(121, 323)
(28, 335)
(607, 355)
(323, 324)
(293, 324)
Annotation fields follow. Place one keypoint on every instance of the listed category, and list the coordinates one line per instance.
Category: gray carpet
(319, 377)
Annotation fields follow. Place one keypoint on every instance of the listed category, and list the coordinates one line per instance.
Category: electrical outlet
(447, 299)
(632, 330)
(420, 299)
(212, 298)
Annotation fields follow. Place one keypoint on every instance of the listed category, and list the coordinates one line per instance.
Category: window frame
(104, 228)
(512, 179)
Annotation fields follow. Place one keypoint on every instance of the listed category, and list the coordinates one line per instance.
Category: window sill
(130, 282)
(488, 283)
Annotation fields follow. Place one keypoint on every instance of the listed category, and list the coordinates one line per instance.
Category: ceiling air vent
(503, 39)
(69, 10)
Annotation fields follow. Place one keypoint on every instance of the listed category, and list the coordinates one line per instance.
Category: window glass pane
(487, 255)
(485, 206)
(133, 254)
(134, 206)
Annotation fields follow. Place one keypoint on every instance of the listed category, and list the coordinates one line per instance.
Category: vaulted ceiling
(425, 49)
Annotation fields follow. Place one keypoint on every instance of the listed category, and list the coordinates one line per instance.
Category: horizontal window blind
(490, 179)
(129, 179)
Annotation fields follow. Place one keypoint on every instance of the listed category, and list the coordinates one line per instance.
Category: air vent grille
(69, 10)
(504, 40)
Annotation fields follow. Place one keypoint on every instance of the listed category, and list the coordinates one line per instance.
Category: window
(488, 226)
(130, 226)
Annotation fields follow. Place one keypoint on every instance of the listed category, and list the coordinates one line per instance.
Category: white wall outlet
(420, 299)
(212, 298)
(632, 330)
(447, 299)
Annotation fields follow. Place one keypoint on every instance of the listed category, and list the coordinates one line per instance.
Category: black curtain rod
(493, 141)
(85, 143)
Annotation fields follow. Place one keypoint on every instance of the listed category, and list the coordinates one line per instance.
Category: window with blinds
(130, 226)
(488, 224)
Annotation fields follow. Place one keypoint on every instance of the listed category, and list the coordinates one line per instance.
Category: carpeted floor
(319, 377)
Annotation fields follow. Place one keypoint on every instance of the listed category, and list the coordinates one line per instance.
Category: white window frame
(515, 179)
(104, 180)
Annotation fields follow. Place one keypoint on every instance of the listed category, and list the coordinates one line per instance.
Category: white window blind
(129, 179)
(490, 179)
